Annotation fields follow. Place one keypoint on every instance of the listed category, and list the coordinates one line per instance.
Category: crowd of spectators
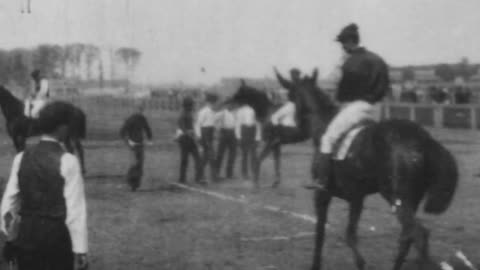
(436, 95)
(428, 95)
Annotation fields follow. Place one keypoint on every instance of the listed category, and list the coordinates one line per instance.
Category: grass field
(163, 227)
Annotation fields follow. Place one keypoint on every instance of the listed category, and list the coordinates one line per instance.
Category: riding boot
(321, 168)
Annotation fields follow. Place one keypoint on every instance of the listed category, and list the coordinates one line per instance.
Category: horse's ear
(314, 75)
(242, 82)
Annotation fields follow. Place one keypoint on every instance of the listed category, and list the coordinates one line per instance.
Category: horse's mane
(326, 106)
(258, 100)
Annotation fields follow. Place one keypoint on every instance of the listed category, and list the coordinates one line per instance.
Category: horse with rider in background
(273, 133)
(20, 127)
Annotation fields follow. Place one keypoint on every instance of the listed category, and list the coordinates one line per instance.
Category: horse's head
(258, 100)
(311, 101)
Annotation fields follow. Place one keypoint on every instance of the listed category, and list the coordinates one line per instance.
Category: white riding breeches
(351, 114)
(33, 107)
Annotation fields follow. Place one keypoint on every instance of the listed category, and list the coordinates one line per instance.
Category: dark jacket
(134, 128)
(185, 122)
(364, 77)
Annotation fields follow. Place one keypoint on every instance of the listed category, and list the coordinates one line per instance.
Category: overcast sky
(248, 37)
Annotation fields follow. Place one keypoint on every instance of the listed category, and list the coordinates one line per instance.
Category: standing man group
(234, 127)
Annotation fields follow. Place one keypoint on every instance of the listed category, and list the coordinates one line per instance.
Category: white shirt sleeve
(286, 110)
(252, 117)
(74, 194)
(199, 122)
(11, 200)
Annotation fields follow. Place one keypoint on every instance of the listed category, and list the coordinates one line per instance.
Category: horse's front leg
(322, 202)
(356, 208)
(256, 169)
(277, 159)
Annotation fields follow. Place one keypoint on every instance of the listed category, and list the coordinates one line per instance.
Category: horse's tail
(443, 178)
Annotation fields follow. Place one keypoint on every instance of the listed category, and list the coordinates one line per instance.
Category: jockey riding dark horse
(364, 83)
(396, 158)
(271, 135)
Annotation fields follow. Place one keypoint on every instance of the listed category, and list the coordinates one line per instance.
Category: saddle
(342, 147)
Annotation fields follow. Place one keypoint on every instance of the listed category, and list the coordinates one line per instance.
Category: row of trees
(72, 61)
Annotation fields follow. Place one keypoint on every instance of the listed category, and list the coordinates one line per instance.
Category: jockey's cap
(54, 115)
(348, 32)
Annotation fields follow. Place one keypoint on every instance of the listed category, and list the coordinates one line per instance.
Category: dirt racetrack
(162, 227)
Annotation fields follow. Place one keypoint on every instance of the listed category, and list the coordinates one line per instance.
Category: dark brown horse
(20, 127)
(271, 135)
(395, 158)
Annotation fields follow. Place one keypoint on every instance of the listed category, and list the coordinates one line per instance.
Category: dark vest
(41, 183)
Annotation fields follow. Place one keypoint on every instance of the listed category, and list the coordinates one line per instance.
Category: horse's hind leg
(356, 208)
(404, 244)
(413, 232)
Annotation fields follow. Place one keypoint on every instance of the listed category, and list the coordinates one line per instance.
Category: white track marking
(459, 254)
(277, 237)
(304, 217)
(271, 208)
(446, 266)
